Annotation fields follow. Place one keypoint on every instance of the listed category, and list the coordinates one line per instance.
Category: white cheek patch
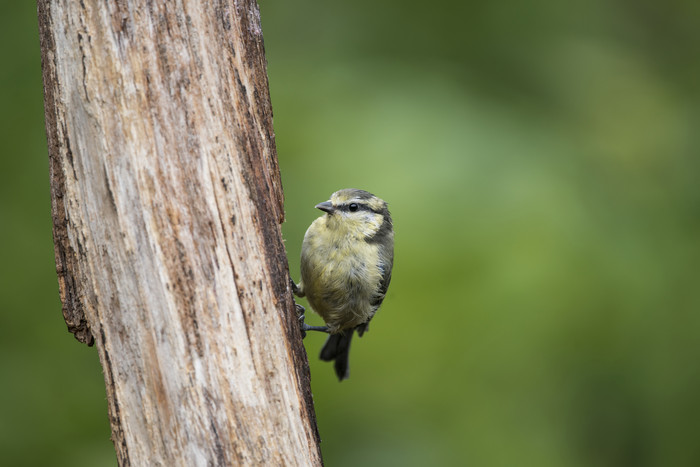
(371, 223)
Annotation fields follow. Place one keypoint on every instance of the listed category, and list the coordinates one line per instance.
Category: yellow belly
(340, 278)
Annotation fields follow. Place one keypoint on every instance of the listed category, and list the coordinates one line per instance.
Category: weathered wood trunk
(167, 206)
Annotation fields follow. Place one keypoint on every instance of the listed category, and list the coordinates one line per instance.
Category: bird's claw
(300, 310)
(305, 327)
(293, 285)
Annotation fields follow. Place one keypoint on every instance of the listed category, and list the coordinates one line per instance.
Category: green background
(541, 161)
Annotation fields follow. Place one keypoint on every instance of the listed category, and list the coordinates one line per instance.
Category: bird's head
(357, 213)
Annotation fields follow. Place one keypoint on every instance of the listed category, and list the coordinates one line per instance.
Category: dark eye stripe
(360, 207)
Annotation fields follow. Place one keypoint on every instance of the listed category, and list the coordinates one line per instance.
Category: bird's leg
(295, 289)
(300, 310)
(305, 327)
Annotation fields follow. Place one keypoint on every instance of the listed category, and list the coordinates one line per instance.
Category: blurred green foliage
(541, 163)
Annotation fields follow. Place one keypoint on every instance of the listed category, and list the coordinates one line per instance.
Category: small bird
(346, 262)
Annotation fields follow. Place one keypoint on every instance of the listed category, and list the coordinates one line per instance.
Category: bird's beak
(326, 206)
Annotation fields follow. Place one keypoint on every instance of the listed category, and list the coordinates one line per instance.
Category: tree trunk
(167, 204)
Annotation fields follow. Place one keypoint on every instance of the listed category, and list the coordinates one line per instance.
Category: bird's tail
(337, 347)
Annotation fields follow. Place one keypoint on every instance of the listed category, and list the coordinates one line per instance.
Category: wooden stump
(167, 204)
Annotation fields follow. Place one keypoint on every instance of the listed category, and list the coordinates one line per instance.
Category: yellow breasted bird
(346, 262)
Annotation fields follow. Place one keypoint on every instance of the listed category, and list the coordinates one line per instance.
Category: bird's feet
(295, 288)
(300, 312)
(305, 327)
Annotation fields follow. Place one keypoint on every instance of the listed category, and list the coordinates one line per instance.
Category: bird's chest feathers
(339, 256)
(337, 250)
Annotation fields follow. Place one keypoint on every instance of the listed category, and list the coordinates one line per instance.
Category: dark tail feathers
(337, 347)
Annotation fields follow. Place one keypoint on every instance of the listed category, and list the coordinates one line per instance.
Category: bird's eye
(353, 207)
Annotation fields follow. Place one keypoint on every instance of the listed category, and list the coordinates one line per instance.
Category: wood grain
(167, 204)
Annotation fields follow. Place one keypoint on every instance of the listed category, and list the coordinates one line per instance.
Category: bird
(347, 258)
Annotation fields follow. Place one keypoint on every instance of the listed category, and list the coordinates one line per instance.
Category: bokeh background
(541, 160)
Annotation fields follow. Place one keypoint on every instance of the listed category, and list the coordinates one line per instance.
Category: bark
(167, 204)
